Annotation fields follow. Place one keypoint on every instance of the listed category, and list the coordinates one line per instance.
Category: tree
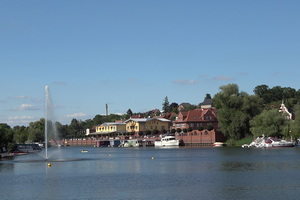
(129, 112)
(6, 134)
(263, 91)
(20, 134)
(295, 125)
(36, 131)
(98, 119)
(209, 127)
(235, 110)
(270, 123)
(174, 107)
(166, 105)
(207, 96)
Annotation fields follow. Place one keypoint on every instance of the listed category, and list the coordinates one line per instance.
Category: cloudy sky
(134, 53)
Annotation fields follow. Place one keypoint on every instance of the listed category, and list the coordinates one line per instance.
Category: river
(153, 173)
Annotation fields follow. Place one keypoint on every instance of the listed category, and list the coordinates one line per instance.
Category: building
(197, 119)
(109, 128)
(141, 125)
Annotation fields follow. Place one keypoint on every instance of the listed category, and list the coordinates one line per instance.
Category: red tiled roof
(197, 115)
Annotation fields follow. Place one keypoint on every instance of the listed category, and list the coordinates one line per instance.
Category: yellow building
(137, 125)
(110, 127)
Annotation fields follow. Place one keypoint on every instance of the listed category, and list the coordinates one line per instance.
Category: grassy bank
(238, 143)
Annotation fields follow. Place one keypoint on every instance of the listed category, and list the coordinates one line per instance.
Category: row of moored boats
(267, 142)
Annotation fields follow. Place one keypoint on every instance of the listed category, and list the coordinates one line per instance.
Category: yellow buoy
(152, 158)
(49, 164)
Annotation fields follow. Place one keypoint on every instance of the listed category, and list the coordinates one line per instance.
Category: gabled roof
(197, 114)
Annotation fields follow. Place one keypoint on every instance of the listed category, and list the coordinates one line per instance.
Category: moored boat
(131, 143)
(168, 140)
(263, 142)
(22, 149)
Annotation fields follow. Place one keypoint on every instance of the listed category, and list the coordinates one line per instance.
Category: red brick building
(197, 119)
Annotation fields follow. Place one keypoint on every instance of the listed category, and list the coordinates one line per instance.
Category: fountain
(49, 120)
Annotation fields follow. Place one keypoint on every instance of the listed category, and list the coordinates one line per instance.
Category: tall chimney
(106, 109)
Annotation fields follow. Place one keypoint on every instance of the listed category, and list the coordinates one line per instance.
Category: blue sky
(134, 53)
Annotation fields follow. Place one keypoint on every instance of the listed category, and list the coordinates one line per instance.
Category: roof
(197, 114)
(207, 102)
(146, 119)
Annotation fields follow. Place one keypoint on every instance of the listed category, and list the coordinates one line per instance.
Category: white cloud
(185, 82)
(23, 107)
(74, 115)
(19, 120)
(18, 97)
(221, 78)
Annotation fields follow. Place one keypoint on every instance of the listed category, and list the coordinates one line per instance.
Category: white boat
(131, 143)
(218, 144)
(168, 140)
(275, 142)
(262, 142)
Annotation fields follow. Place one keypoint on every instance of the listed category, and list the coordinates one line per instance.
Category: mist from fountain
(50, 123)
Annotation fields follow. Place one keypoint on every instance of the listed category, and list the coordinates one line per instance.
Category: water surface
(153, 173)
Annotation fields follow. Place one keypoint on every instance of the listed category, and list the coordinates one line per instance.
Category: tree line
(239, 115)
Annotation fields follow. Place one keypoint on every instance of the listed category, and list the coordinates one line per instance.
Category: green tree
(20, 134)
(6, 134)
(98, 119)
(208, 96)
(166, 105)
(235, 110)
(263, 91)
(270, 123)
(129, 112)
(36, 131)
(295, 125)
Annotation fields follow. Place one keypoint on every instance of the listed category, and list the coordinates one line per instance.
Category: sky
(131, 54)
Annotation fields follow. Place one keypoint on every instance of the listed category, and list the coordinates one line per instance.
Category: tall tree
(235, 110)
(36, 131)
(129, 112)
(20, 134)
(207, 96)
(295, 125)
(6, 134)
(166, 105)
(269, 123)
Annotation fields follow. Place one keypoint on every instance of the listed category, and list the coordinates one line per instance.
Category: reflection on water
(153, 173)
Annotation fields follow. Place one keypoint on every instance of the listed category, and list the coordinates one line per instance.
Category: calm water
(173, 173)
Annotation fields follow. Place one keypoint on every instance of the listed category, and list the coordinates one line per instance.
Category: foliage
(6, 134)
(269, 123)
(200, 128)
(295, 125)
(129, 112)
(166, 105)
(209, 127)
(20, 134)
(277, 94)
(178, 130)
(235, 110)
(208, 96)
(36, 131)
